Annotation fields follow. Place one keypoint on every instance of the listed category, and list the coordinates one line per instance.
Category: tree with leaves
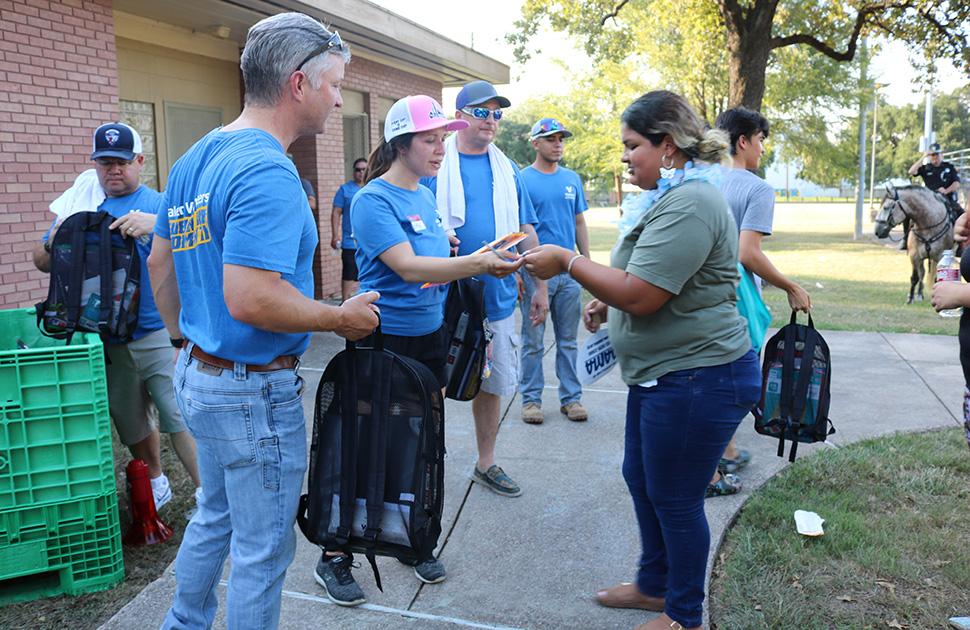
(591, 110)
(741, 37)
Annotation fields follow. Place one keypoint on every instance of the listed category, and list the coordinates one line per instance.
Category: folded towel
(451, 194)
(85, 195)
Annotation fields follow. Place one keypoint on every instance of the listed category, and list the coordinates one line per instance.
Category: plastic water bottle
(948, 270)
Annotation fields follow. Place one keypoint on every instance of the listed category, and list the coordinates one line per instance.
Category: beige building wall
(161, 64)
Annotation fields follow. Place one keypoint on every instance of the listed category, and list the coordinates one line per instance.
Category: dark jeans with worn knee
(676, 432)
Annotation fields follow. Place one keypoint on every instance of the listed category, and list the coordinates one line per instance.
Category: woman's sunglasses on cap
(482, 112)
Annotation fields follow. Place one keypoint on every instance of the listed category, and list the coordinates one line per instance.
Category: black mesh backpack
(376, 478)
(468, 337)
(795, 381)
(94, 281)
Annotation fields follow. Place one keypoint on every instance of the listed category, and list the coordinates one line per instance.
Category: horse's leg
(913, 278)
(922, 275)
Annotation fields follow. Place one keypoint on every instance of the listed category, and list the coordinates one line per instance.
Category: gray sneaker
(333, 574)
(430, 571)
(497, 481)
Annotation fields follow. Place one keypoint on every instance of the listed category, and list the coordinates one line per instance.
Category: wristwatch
(177, 342)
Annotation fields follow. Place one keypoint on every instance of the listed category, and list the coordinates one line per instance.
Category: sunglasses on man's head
(333, 43)
(482, 113)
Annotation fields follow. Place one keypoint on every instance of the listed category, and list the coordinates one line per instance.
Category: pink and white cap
(414, 114)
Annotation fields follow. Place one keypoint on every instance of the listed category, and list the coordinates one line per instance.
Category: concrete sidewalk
(535, 561)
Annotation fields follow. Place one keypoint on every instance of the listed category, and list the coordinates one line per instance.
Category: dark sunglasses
(360, 169)
(333, 43)
(482, 113)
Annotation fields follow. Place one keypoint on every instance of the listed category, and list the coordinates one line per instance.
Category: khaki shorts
(504, 379)
(139, 373)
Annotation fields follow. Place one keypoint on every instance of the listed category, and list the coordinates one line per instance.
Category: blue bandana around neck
(710, 173)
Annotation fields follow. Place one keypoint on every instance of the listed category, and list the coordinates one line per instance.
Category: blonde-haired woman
(683, 349)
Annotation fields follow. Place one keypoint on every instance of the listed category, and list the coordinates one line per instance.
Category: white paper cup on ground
(808, 523)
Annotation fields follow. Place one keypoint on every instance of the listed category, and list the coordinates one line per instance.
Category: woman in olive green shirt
(682, 347)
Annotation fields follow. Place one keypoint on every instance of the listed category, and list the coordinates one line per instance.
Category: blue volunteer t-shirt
(383, 216)
(343, 199)
(557, 197)
(145, 200)
(476, 179)
(234, 198)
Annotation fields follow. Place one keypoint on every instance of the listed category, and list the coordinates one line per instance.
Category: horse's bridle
(927, 242)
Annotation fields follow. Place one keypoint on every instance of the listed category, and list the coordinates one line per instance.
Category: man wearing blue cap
(140, 371)
(557, 195)
(481, 197)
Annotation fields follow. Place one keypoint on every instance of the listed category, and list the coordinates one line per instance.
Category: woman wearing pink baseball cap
(401, 245)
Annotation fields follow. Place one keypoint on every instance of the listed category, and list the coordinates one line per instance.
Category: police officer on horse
(939, 176)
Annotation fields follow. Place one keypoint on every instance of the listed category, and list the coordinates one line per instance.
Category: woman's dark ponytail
(383, 156)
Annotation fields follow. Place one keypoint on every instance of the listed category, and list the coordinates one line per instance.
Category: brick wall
(58, 81)
(320, 158)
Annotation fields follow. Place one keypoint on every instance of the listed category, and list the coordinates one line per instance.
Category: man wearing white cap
(557, 194)
(139, 371)
(481, 197)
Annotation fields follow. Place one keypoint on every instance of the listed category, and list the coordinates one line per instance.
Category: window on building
(141, 116)
(356, 133)
(184, 124)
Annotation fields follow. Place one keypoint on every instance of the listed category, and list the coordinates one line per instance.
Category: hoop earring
(667, 171)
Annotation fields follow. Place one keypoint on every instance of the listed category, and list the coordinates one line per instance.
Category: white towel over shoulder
(451, 194)
(85, 195)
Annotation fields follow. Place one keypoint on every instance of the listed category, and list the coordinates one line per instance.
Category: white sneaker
(161, 491)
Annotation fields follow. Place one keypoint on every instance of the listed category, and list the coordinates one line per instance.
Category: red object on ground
(146, 527)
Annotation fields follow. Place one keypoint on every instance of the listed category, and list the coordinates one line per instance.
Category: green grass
(855, 285)
(896, 543)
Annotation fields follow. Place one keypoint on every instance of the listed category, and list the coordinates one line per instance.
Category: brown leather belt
(285, 362)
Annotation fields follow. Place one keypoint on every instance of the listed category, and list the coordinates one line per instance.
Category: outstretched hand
(501, 264)
(546, 261)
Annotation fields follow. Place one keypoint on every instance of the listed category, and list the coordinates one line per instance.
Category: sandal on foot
(627, 595)
(734, 465)
(727, 484)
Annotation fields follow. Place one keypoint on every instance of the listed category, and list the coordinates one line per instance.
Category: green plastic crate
(55, 431)
(61, 549)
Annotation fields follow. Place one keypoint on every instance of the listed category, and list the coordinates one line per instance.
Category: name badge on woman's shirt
(416, 223)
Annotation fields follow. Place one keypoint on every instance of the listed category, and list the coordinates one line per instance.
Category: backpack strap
(377, 456)
(104, 268)
(348, 444)
(787, 375)
(801, 388)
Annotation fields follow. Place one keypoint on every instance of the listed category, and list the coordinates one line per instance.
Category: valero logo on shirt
(570, 193)
(188, 224)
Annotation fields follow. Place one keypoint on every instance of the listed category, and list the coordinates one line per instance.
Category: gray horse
(931, 233)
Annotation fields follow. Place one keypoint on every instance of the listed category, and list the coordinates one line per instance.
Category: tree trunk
(747, 65)
(749, 46)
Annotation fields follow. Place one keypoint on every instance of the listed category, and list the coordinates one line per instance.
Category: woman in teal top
(683, 348)
(401, 246)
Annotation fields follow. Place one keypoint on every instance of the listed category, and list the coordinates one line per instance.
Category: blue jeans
(251, 440)
(675, 435)
(564, 311)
